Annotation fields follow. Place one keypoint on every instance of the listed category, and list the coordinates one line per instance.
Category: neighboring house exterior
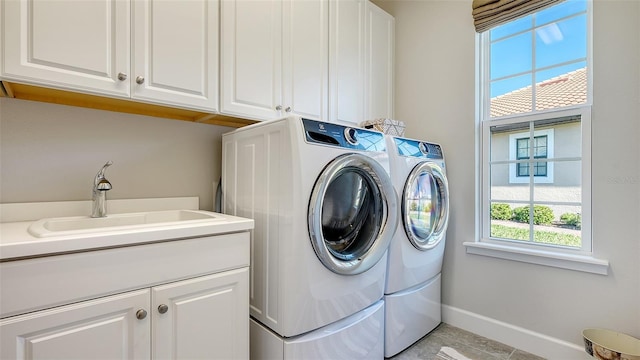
(554, 181)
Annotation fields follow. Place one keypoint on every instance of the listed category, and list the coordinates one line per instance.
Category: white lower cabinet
(177, 299)
(105, 328)
(204, 318)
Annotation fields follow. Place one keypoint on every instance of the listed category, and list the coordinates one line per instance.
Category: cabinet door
(251, 58)
(79, 45)
(176, 52)
(380, 63)
(346, 60)
(305, 58)
(202, 318)
(107, 328)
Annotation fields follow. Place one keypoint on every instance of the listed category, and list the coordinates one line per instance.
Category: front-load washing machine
(414, 264)
(325, 211)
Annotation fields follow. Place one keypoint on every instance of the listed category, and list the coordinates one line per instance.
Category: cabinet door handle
(279, 107)
(141, 314)
(122, 76)
(163, 308)
(140, 80)
(288, 109)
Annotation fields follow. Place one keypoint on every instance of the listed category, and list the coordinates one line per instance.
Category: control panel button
(423, 148)
(351, 135)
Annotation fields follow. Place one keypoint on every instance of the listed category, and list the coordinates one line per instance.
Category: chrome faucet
(100, 187)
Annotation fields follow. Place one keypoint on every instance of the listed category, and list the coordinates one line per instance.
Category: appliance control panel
(420, 149)
(323, 133)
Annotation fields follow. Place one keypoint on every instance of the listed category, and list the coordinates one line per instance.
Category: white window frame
(513, 174)
(579, 259)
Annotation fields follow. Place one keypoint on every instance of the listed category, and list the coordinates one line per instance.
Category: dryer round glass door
(425, 205)
(352, 214)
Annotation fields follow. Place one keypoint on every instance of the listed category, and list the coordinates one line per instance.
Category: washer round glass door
(352, 214)
(425, 205)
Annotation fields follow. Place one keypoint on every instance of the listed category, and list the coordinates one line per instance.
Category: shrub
(571, 219)
(500, 211)
(542, 215)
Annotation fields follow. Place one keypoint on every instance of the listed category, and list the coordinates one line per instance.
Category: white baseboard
(518, 337)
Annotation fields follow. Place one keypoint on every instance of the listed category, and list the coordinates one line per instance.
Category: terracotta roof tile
(564, 90)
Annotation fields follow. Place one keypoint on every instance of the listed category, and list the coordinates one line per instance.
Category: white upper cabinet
(305, 60)
(251, 58)
(80, 45)
(380, 63)
(161, 51)
(347, 60)
(274, 58)
(361, 61)
(175, 52)
(329, 60)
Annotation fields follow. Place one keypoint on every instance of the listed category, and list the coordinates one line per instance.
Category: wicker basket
(387, 126)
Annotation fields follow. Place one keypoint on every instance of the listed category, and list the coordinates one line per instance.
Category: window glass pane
(522, 170)
(501, 87)
(511, 56)
(559, 11)
(556, 71)
(511, 28)
(522, 148)
(557, 232)
(501, 147)
(502, 189)
(566, 186)
(540, 168)
(540, 147)
(502, 224)
(518, 228)
(568, 142)
(561, 42)
(567, 89)
(563, 137)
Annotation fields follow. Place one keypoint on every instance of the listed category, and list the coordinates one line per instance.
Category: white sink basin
(86, 225)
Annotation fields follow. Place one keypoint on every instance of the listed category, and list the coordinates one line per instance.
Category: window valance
(491, 13)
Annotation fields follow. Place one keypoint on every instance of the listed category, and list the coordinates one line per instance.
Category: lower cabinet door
(202, 318)
(112, 327)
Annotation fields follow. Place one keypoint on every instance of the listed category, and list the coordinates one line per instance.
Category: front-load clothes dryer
(414, 264)
(325, 211)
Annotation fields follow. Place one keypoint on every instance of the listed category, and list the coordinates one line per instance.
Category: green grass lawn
(546, 237)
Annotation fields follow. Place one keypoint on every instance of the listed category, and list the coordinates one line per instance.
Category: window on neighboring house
(539, 152)
(527, 162)
(534, 118)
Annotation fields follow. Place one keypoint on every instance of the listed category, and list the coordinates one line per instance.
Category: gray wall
(52, 152)
(435, 96)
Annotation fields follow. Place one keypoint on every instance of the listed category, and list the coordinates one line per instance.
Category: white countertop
(17, 243)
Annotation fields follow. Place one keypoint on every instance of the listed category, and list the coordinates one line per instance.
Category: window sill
(541, 257)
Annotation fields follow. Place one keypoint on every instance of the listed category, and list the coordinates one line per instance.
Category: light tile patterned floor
(468, 344)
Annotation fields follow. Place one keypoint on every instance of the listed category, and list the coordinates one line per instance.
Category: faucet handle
(101, 172)
(100, 175)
